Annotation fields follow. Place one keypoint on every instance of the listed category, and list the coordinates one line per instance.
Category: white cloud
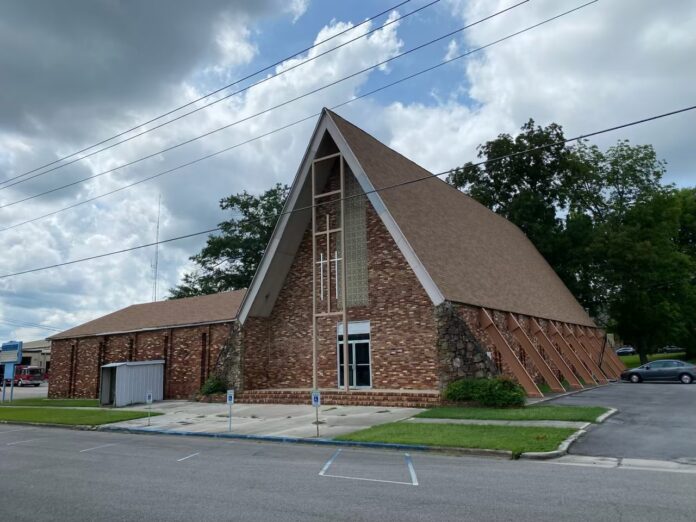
(601, 66)
(234, 44)
(69, 295)
(452, 49)
(297, 8)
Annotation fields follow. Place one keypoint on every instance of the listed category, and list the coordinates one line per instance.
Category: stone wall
(461, 354)
(190, 354)
(228, 365)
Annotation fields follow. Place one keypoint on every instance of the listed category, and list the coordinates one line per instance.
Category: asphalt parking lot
(655, 421)
(28, 392)
(61, 474)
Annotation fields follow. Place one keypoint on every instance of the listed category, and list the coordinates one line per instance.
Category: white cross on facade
(335, 261)
(321, 264)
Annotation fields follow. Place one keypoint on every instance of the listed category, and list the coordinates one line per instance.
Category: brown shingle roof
(472, 254)
(162, 314)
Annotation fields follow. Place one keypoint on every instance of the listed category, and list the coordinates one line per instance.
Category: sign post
(316, 402)
(148, 401)
(10, 354)
(230, 402)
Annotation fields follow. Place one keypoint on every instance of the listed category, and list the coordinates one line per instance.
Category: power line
(389, 187)
(244, 89)
(289, 125)
(216, 91)
(267, 110)
(23, 324)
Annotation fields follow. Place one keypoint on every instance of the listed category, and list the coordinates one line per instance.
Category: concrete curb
(606, 415)
(559, 452)
(573, 392)
(315, 441)
(79, 427)
(565, 445)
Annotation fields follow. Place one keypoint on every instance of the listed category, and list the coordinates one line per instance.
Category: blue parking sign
(316, 398)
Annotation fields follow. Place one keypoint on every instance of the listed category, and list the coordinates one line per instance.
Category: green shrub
(214, 384)
(500, 392)
(464, 390)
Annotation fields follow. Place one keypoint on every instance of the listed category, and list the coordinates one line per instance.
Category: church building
(380, 285)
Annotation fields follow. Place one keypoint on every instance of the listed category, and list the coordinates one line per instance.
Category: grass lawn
(562, 413)
(633, 361)
(55, 403)
(515, 439)
(68, 416)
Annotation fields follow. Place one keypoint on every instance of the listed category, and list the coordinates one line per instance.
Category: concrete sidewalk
(264, 419)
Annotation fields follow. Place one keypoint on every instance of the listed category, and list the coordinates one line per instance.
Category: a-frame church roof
(460, 250)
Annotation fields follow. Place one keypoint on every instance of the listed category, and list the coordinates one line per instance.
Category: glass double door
(359, 371)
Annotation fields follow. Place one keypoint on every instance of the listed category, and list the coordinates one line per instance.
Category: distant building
(37, 353)
(433, 287)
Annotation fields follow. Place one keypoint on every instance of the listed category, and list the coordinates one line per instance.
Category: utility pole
(155, 263)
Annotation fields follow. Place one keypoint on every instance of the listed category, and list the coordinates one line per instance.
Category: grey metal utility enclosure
(125, 383)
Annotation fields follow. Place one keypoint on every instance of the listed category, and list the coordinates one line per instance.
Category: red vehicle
(27, 376)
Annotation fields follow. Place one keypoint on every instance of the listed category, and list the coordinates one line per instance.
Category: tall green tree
(229, 259)
(651, 291)
(623, 243)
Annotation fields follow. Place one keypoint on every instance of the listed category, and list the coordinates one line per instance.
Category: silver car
(664, 370)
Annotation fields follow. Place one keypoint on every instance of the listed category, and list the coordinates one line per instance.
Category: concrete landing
(265, 419)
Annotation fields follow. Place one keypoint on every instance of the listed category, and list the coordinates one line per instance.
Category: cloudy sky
(75, 72)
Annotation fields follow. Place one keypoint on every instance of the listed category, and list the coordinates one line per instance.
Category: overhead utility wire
(197, 109)
(211, 93)
(21, 324)
(265, 111)
(287, 126)
(389, 187)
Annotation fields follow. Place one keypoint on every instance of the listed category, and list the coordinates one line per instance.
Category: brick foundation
(386, 398)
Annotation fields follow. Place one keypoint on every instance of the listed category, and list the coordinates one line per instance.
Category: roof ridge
(434, 176)
(332, 114)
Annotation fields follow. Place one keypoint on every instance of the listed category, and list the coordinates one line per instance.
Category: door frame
(354, 328)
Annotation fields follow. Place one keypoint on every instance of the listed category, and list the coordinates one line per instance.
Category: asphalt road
(655, 421)
(56, 474)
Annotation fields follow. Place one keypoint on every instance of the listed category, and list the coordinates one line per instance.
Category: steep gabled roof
(214, 308)
(459, 250)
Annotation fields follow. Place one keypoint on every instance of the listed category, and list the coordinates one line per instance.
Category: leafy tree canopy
(229, 259)
(624, 243)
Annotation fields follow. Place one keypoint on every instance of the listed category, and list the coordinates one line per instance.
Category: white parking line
(370, 480)
(329, 462)
(409, 463)
(20, 442)
(411, 469)
(192, 455)
(98, 447)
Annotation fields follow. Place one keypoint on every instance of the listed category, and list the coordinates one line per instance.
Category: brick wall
(190, 354)
(278, 349)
